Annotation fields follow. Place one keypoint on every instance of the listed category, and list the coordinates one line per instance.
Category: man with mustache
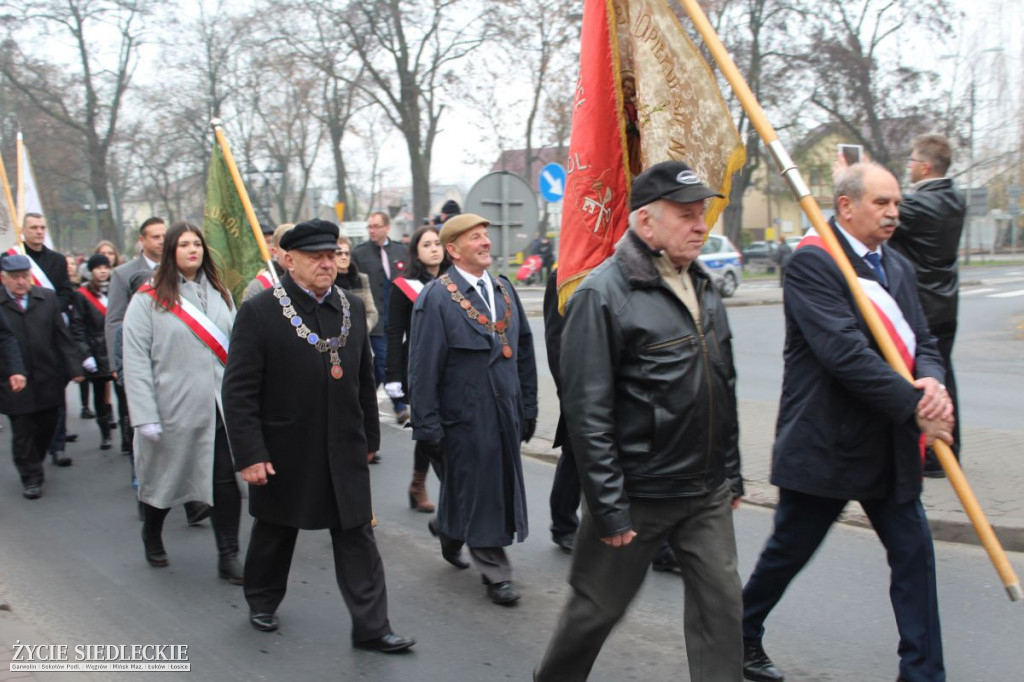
(649, 400)
(473, 390)
(850, 427)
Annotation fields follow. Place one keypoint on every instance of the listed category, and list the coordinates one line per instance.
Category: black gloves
(529, 426)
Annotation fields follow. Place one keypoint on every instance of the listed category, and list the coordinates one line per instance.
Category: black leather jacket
(931, 220)
(648, 394)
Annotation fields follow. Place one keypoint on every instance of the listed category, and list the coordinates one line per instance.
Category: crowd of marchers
(281, 388)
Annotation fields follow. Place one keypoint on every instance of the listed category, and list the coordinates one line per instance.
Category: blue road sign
(552, 182)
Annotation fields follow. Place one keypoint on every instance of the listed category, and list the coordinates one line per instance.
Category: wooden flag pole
(789, 171)
(254, 222)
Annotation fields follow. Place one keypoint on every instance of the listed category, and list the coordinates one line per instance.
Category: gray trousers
(605, 579)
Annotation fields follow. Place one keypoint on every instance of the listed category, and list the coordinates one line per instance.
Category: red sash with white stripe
(899, 329)
(99, 303)
(264, 279)
(410, 287)
(198, 323)
(39, 277)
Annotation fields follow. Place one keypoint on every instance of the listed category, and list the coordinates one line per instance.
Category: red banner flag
(596, 202)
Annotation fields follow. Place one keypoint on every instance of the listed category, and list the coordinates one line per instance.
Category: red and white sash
(39, 277)
(99, 302)
(198, 323)
(264, 279)
(410, 287)
(895, 324)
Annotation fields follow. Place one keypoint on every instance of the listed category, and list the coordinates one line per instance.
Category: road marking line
(976, 291)
(1008, 294)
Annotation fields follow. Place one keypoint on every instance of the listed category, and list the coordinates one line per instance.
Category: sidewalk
(991, 465)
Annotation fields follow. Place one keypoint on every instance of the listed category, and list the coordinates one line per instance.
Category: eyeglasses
(339, 252)
(911, 159)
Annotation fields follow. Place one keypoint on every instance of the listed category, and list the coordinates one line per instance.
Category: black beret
(97, 260)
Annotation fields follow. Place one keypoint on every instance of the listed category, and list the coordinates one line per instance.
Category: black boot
(103, 419)
(228, 566)
(127, 434)
(152, 532)
(195, 512)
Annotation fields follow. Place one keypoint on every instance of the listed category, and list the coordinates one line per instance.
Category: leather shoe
(756, 664)
(264, 622)
(566, 543)
(60, 460)
(449, 554)
(155, 553)
(33, 492)
(386, 644)
(503, 593)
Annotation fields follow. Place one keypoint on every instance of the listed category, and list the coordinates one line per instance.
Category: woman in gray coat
(176, 332)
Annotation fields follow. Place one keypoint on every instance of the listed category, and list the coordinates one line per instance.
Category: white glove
(89, 364)
(394, 389)
(151, 432)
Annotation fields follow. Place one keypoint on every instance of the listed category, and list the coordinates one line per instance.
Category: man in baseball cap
(650, 402)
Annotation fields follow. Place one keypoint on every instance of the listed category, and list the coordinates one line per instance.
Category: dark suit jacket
(118, 296)
(367, 258)
(846, 426)
(55, 265)
(281, 405)
(50, 356)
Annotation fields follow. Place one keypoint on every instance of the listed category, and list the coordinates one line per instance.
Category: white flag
(28, 193)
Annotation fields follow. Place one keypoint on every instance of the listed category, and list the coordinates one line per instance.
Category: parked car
(724, 263)
(759, 256)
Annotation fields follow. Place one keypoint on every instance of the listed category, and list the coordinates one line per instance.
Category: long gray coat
(462, 389)
(172, 378)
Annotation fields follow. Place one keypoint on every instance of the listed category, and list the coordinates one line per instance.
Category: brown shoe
(418, 498)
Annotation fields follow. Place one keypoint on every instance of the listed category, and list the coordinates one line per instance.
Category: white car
(724, 262)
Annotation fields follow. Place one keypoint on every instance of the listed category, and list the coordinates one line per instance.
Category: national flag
(228, 234)
(28, 192)
(644, 95)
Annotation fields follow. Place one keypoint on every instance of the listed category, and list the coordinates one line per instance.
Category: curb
(945, 526)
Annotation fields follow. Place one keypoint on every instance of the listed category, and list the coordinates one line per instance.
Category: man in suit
(473, 389)
(931, 220)
(301, 414)
(382, 260)
(849, 426)
(50, 359)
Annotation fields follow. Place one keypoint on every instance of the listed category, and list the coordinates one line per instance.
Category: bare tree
(409, 50)
(105, 35)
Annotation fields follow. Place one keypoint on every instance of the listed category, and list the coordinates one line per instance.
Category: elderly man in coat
(47, 357)
(301, 413)
(473, 389)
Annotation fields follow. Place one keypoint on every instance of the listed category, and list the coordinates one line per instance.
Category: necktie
(385, 263)
(23, 302)
(482, 286)
(875, 260)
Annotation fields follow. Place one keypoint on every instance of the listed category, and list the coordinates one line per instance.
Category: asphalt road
(72, 571)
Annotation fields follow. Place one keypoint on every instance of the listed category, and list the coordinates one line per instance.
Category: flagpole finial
(216, 122)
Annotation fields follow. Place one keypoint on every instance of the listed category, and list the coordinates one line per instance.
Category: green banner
(227, 231)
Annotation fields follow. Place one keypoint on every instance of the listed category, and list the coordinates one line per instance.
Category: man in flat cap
(50, 358)
(648, 392)
(473, 390)
(301, 414)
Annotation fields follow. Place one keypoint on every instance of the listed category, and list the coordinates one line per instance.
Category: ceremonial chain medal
(500, 328)
(330, 345)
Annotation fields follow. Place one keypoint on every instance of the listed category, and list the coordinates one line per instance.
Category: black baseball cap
(671, 180)
(312, 235)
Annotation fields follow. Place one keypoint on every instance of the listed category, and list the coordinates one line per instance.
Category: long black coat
(464, 391)
(846, 425)
(50, 356)
(281, 405)
(87, 329)
(367, 258)
(55, 266)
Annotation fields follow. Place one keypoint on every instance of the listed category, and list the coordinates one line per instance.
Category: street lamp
(972, 61)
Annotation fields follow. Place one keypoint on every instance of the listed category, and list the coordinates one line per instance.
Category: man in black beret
(648, 396)
(300, 407)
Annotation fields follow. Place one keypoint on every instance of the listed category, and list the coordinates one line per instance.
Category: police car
(724, 263)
